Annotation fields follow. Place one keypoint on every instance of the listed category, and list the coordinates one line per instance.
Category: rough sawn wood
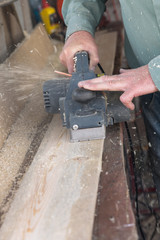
(57, 197)
(58, 192)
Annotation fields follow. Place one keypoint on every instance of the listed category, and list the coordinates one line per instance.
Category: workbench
(49, 186)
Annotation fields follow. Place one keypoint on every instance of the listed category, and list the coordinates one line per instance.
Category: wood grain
(57, 197)
(3, 46)
(106, 42)
(23, 116)
(114, 214)
(33, 54)
(6, 2)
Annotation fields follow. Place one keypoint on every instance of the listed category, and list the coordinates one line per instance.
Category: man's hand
(133, 82)
(79, 41)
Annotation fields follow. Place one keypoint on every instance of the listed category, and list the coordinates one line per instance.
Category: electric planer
(85, 113)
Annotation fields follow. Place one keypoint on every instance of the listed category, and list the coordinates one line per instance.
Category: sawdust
(12, 184)
(18, 83)
(23, 121)
(18, 142)
(52, 185)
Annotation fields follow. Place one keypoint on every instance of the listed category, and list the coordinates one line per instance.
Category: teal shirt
(141, 20)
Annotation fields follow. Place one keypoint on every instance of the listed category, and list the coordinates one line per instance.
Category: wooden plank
(105, 50)
(57, 201)
(3, 46)
(12, 29)
(34, 54)
(24, 15)
(114, 215)
(18, 8)
(57, 197)
(22, 102)
(23, 140)
(23, 12)
(6, 2)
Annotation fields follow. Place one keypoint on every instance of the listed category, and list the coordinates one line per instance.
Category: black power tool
(85, 113)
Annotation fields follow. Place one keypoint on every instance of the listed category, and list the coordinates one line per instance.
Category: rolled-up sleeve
(154, 69)
(82, 15)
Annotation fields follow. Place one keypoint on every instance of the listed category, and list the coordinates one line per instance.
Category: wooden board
(57, 197)
(114, 217)
(22, 10)
(23, 119)
(33, 54)
(12, 28)
(34, 51)
(11, 31)
(6, 2)
(24, 14)
(114, 214)
(15, 19)
(105, 50)
(3, 45)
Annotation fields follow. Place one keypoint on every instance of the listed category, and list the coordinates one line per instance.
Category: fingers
(94, 59)
(62, 59)
(104, 83)
(126, 98)
(79, 41)
(70, 64)
(134, 83)
(110, 83)
(67, 60)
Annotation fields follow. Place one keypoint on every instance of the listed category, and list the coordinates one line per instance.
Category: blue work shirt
(141, 20)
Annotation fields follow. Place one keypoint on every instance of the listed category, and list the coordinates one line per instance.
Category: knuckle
(110, 82)
(104, 78)
(61, 59)
(65, 52)
(82, 46)
(63, 55)
(124, 99)
(96, 59)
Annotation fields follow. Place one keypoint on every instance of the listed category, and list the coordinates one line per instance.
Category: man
(142, 44)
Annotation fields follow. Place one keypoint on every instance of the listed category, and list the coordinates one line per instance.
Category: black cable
(151, 210)
(100, 67)
(155, 230)
(135, 176)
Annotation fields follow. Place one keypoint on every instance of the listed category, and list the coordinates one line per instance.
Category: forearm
(82, 15)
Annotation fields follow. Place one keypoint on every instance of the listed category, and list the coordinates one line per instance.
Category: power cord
(100, 67)
(135, 176)
(146, 201)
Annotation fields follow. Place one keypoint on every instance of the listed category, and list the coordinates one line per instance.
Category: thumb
(70, 64)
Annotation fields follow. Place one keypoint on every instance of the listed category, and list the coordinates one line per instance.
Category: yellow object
(100, 75)
(49, 18)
